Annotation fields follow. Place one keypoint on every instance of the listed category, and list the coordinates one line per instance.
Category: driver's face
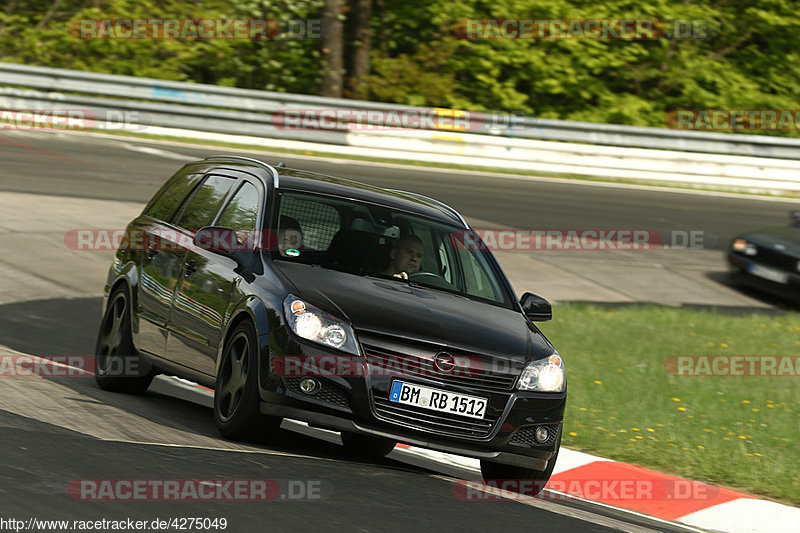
(408, 257)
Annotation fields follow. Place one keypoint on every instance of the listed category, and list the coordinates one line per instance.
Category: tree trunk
(47, 16)
(359, 43)
(331, 56)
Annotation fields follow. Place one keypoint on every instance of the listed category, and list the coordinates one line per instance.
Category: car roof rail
(270, 168)
(443, 205)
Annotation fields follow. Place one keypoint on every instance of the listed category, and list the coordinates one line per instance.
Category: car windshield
(371, 240)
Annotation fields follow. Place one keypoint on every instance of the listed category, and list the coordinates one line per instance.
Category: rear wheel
(526, 481)
(236, 398)
(119, 367)
(368, 446)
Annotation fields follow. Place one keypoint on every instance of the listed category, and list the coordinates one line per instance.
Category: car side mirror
(224, 241)
(536, 308)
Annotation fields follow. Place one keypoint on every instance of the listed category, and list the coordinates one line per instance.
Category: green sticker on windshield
(292, 252)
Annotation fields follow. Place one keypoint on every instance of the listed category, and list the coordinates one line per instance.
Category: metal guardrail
(739, 162)
(247, 112)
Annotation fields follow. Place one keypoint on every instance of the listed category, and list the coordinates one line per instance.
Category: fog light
(542, 433)
(308, 385)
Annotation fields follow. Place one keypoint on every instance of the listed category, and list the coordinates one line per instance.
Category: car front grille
(435, 422)
(775, 258)
(526, 436)
(401, 357)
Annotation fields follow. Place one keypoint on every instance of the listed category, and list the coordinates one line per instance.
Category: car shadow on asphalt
(68, 327)
(730, 280)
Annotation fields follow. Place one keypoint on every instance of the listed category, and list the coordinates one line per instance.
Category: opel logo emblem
(444, 362)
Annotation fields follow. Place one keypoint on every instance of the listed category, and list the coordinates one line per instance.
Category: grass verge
(743, 432)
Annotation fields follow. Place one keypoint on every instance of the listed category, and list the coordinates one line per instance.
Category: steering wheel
(430, 278)
(424, 275)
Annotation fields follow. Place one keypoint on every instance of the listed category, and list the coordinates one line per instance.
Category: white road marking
(572, 512)
(158, 152)
(746, 515)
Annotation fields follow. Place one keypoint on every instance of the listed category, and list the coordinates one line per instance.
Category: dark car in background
(347, 306)
(769, 259)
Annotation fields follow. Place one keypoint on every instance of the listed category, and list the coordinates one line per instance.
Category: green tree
(416, 56)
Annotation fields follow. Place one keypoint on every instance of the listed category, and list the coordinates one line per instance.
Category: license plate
(438, 400)
(768, 273)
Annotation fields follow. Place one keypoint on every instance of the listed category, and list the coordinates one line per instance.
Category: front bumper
(742, 267)
(359, 404)
(535, 459)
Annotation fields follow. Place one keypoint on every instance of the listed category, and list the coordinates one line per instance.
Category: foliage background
(751, 60)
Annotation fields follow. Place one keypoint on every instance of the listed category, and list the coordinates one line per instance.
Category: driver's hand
(401, 275)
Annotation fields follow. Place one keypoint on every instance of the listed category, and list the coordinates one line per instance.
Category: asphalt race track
(89, 167)
(57, 430)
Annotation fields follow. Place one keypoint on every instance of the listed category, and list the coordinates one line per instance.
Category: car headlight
(315, 325)
(544, 375)
(741, 245)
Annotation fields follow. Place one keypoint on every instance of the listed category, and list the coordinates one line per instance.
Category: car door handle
(190, 268)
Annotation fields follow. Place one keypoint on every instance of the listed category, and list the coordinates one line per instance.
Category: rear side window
(205, 202)
(241, 213)
(171, 195)
(319, 221)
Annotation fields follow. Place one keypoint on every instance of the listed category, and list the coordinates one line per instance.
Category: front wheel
(526, 481)
(236, 398)
(119, 367)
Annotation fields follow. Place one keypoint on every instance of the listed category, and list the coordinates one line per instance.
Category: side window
(241, 213)
(205, 202)
(171, 195)
(318, 221)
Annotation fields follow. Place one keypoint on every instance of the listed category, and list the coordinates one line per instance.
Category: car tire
(517, 478)
(367, 446)
(236, 397)
(119, 366)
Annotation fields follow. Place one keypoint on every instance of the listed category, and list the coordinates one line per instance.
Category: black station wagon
(769, 259)
(347, 306)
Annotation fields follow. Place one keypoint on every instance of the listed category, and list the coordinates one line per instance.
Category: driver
(405, 257)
